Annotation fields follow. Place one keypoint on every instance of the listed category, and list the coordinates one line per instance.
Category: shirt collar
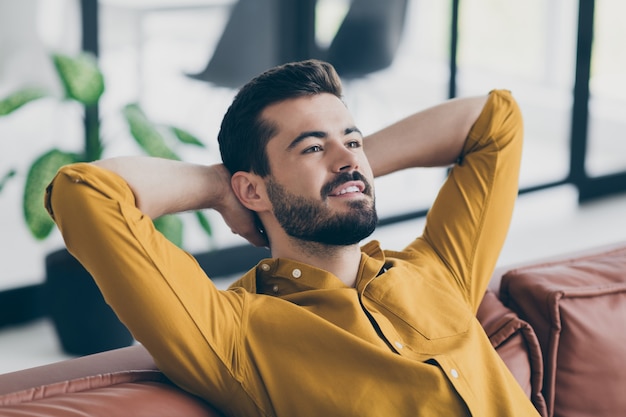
(278, 276)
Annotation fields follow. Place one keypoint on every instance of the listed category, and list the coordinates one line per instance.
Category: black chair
(368, 38)
(366, 42)
(247, 47)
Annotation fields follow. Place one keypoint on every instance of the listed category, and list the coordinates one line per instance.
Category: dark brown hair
(244, 135)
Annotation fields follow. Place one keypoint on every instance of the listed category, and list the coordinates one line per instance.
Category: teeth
(352, 189)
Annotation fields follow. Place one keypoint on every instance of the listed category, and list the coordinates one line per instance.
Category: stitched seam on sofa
(595, 290)
(80, 385)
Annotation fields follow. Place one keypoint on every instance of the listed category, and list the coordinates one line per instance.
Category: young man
(324, 327)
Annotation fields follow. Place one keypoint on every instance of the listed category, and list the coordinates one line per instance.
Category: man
(324, 327)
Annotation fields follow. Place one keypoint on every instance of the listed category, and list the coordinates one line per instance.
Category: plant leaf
(171, 226)
(82, 79)
(19, 98)
(6, 177)
(146, 134)
(185, 137)
(204, 223)
(39, 176)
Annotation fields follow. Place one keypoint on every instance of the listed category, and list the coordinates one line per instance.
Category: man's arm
(468, 222)
(432, 137)
(162, 186)
(158, 290)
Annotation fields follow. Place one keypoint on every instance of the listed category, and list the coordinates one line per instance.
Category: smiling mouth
(347, 184)
(351, 189)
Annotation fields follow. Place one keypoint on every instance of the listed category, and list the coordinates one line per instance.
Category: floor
(545, 223)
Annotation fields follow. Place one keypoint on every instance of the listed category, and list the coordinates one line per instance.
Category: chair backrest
(368, 38)
(247, 47)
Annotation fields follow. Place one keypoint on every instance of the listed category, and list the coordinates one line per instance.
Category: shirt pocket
(431, 307)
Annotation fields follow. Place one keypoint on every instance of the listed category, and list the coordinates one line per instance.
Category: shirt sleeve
(468, 222)
(158, 290)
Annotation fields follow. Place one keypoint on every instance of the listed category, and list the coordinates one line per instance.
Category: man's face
(321, 186)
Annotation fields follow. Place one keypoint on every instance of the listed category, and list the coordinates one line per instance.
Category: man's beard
(313, 221)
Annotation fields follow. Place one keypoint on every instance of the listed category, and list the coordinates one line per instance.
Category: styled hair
(244, 135)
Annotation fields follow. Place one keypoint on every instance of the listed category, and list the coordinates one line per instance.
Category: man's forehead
(307, 112)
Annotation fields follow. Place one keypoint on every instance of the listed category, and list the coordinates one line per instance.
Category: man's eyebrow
(320, 135)
(352, 129)
(302, 136)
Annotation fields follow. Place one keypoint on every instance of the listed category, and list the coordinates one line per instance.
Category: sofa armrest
(501, 270)
(577, 307)
(118, 382)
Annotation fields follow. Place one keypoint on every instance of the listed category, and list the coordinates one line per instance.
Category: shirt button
(265, 267)
(275, 289)
(296, 273)
(454, 373)
(399, 345)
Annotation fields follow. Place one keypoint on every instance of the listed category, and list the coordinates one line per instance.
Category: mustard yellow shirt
(291, 340)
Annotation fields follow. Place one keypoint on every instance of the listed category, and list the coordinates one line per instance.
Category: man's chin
(346, 205)
(347, 231)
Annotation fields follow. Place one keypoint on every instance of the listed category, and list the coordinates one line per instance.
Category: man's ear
(249, 190)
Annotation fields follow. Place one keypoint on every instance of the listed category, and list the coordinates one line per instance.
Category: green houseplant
(83, 83)
(84, 323)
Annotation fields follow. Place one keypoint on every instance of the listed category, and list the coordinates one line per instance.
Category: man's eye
(354, 144)
(316, 148)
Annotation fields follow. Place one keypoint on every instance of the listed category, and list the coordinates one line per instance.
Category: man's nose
(345, 160)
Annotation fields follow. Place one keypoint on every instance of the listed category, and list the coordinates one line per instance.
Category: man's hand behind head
(241, 220)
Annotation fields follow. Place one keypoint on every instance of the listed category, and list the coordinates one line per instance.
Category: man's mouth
(347, 183)
(349, 188)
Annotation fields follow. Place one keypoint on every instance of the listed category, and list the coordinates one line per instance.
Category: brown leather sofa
(560, 326)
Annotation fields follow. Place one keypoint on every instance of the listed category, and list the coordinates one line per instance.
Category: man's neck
(341, 261)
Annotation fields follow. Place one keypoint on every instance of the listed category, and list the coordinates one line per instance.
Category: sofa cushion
(517, 345)
(578, 310)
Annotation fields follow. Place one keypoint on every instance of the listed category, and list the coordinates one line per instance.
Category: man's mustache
(343, 178)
